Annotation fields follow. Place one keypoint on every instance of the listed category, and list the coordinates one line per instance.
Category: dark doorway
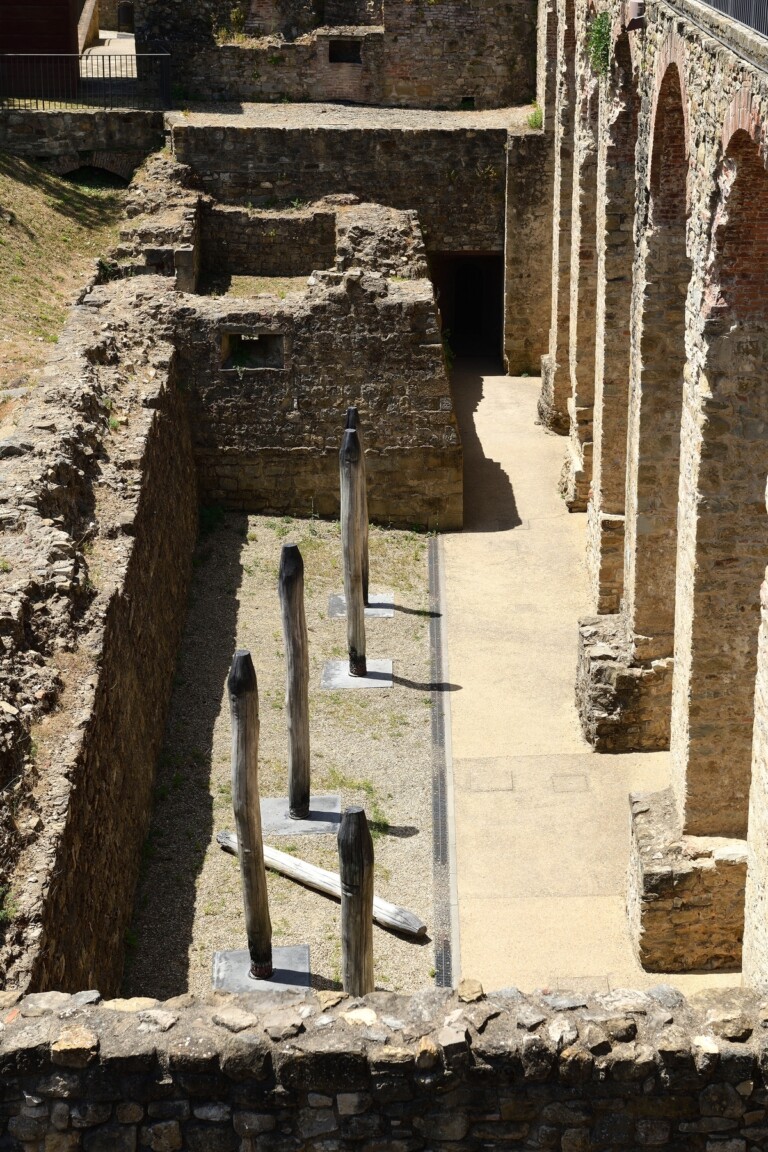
(470, 296)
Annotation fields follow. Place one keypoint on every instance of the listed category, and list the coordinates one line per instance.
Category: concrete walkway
(542, 822)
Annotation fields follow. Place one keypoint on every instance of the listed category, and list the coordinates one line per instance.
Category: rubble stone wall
(481, 52)
(98, 528)
(244, 243)
(626, 1070)
(115, 140)
(454, 179)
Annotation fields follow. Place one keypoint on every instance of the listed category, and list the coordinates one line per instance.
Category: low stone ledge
(552, 1070)
(623, 706)
(686, 893)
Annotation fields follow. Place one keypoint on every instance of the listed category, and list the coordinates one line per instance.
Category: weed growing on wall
(536, 117)
(599, 43)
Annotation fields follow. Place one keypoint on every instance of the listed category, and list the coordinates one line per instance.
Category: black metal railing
(92, 80)
(753, 13)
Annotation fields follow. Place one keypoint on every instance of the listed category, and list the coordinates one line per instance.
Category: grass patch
(52, 229)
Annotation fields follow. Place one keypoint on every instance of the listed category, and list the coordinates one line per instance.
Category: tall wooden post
(244, 709)
(349, 472)
(291, 587)
(353, 421)
(356, 874)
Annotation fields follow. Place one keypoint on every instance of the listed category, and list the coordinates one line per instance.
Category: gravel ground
(305, 115)
(371, 747)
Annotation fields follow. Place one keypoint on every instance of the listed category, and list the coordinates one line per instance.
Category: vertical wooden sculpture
(353, 421)
(244, 709)
(291, 587)
(349, 472)
(356, 874)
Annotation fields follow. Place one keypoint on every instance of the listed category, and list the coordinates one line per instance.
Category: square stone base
(380, 604)
(336, 675)
(323, 819)
(686, 893)
(291, 971)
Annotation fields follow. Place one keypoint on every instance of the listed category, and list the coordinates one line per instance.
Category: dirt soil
(372, 747)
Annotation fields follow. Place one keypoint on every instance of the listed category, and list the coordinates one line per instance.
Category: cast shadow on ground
(489, 500)
(157, 958)
(426, 685)
(417, 612)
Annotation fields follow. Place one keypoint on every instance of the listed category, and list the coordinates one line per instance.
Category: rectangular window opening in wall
(468, 103)
(345, 51)
(265, 350)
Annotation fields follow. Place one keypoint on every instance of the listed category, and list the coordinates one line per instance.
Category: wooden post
(349, 468)
(291, 587)
(244, 709)
(356, 874)
(353, 421)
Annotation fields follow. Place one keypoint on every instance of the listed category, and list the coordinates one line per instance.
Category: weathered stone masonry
(476, 53)
(675, 666)
(625, 1070)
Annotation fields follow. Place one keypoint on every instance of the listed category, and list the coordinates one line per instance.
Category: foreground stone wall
(115, 140)
(99, 523)
(281, 1071)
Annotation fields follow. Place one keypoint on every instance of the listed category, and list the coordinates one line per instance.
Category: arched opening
(617, 137)
(722, 523)
(657, 391)
(90, 176)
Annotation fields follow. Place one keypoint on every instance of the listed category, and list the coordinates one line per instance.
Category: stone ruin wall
(134, 424)
(98, 522)
(695, 331)
(117, 141)
(412, 55)
(475, 189)
(289, 1073)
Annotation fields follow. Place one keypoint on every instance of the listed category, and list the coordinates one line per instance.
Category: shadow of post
(489, 500)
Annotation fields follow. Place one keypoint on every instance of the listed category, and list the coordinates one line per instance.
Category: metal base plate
(231, 970)
(336, 675)
(380, 604)
(324, 817)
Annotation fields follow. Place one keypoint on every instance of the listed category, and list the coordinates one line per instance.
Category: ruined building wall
(454, 179)
(121, 497)
(411, 55)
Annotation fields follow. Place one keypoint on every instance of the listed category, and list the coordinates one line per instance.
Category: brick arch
(671, 53)
(744, 114)
(722, 522)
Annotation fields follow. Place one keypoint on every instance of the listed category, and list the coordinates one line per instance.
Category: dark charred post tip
(350, 447)
(291, 589)
(353, 417)
(242, 674)
(352, 491)
(356, 863)
(244, 710)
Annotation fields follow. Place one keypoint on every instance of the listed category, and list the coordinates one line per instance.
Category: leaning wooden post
(244, 709)
(356, 874)
(349, 468)
(353, 421)
(291, 587)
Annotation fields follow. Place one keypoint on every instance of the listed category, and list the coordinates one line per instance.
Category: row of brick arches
(656, 371)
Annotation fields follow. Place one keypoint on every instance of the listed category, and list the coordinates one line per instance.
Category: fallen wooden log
(387, 915)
